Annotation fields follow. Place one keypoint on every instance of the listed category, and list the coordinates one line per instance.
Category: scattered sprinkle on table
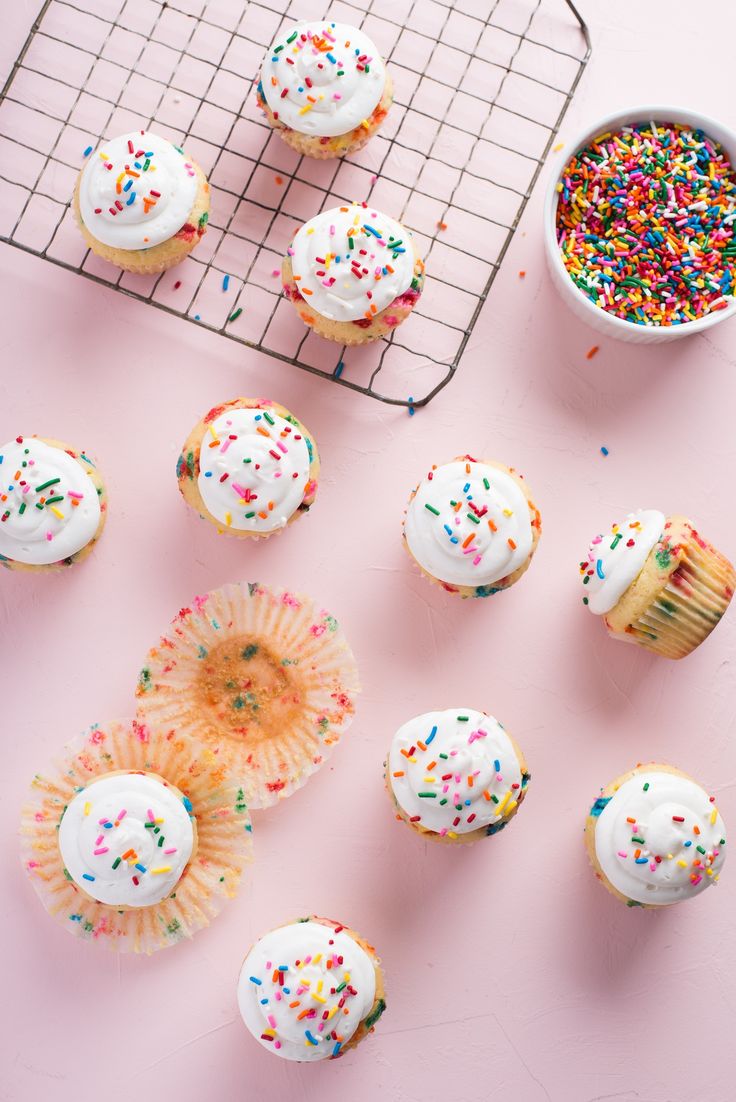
(225, 282)
(88, 150)
(177, 285)
(592, 352)
(412, 411)
(279, 180)
(645, 223)
(604, 450)
(522, 274)
(236, 314)
(442, 225)
(339, 370)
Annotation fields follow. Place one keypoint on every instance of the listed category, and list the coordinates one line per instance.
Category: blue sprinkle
(208, 474)
(688, 844)
(225, 282)
(332, 59)
(75, 918)
(604, 451)
(467, 803)
(497, 765)
(310, 1038)
(197, 317)
(466, 487)
(258, 417)
(370, 229)
(337, 1048)
(86, 876)
(131, 200)
(339, 370)
(187, 803)
(598, 806)
(412, 411)
(264, 1002)
(129, 185)
(448, 529)
(641, 860)
(599, 570)
(141, 868)
(255, 980)
(430, 736)
(87, 151)
(283, 968)
(454, 540)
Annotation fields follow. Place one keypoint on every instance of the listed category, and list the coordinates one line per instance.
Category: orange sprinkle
(469, 539)
(511, 543)
(591, 352)
(522, 275)
(279, 180)
(399, 773)
(442, 225)
(492, 526)
(263, 432)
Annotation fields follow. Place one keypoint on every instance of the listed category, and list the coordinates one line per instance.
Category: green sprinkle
(646, 786)
(486, 483)
(45, 485)
(268, 418)
(463, 719)
(432, 509)
(116, 862)
(473, 517)
(427, 795)
(236, 314)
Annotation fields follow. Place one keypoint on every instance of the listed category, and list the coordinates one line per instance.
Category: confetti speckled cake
(657, 582)
(311, 990)
(324, 88)
(654, 837)
(472, 527)
(352, 274)
(141, 202)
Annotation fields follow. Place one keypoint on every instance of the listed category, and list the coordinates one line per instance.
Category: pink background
(510, 972)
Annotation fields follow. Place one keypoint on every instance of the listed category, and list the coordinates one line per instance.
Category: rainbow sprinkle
(645, 223)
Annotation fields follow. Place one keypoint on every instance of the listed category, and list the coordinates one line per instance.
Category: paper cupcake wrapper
(212, 877)
(263, 678)
(689, 606)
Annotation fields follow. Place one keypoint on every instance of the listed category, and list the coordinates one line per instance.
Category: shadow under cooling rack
(478, 100)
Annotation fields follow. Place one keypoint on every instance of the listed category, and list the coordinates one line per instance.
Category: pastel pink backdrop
(510, 972)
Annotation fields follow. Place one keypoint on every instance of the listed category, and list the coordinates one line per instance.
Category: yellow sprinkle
(87, 808)
(161, 868)
(57, 512)
(500, 807)
(318, 998)
(429, 780)
(558, 147)
(319, 985)
(451, 834)
(508, 512)
(682, 864)
(228, 519)
(303, 110)
(713, 815)
(510, 807)
(316, 959)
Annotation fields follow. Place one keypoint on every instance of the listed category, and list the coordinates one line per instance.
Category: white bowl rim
(725, 137)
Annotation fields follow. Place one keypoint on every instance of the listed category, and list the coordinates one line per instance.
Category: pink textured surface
(509, 970)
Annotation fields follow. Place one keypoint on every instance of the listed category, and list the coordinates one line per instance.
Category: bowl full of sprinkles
(641, 225)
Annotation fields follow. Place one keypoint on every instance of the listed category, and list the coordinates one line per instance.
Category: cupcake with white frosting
(135, 840)
(324, 88)
(472, 527)
(53, 504)
(455, 775)
(657, 582)
(249, 467)
(141, 202)
(655, 837)
(311, 990)
(352, 274)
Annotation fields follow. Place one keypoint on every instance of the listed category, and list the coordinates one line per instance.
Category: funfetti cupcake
(655, 837)
(657, 582)
(472, 527)
(455, 775)
(352, 274)
(324, 88)
(53, 504)
(263, 678)
(141, 202)
(249, 467)
(311, 990)
(134, 839)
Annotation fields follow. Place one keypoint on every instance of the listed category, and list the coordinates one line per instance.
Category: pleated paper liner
(263, 678)
(208, 881)
(690, 605)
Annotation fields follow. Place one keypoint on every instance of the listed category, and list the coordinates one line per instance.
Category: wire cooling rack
(481, 87)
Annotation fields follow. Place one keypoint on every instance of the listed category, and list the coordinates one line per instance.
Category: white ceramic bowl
(594, 316)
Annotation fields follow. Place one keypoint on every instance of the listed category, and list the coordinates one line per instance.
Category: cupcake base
(680, 596)
(208, 881)
(325, 148)
(187, 465)
(362, 330)
(91, 471)
(160, 257)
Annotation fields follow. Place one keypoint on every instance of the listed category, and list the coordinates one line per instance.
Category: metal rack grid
(478, 100)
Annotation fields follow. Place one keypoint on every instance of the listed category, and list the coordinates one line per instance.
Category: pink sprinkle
(476, 560)
(277, 1044)
(622, 854)
(276, 272)
(272, 1021)
(71, 493)
(282, 446)
(101, 822)
(171, 849)
(122, 814)
(49, 536)
(290, 251)
(104, 849)
(226, 444)
(99, 839)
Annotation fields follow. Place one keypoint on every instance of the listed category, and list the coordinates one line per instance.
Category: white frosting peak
(126, 838)
(659, 839)
(323, 78)
(469, 524)
(49, 505)
(351, 262)
(304, 989)
(455, 771)
(136, 191)
(254, 469)
(616, 560)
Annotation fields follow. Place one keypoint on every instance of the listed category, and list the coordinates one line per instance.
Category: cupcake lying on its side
(53, 504)
(311, 990)
(249, 467)
(655, 837)
(133, 839)
(324, 88)
(141, 202)
(352, 274)
(472, 527)
(455, 775)
(657, 582)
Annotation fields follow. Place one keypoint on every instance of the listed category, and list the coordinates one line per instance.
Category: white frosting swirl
(659, 839)
(254, 469)
(469, 524)
(126, 838)
(304, 989)
(351, 262)
(49, 505)
(323, 78)
(455, 771)
(616, 560)
(136, 191)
